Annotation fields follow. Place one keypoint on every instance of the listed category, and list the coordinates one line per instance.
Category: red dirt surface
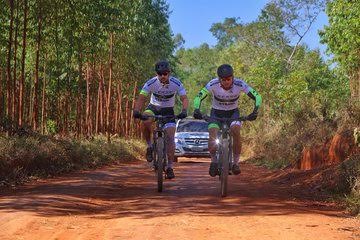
(333, 151)
(121, 202)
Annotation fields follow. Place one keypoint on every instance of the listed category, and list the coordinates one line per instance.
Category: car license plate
(196, 149)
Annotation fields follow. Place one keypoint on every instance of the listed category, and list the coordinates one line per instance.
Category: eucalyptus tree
(343, 40)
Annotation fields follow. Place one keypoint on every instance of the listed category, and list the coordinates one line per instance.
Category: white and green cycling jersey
(226, 99)
(163, 95)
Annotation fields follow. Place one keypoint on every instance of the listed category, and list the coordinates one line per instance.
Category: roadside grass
(272, 164)
(25, 158)
(350, 179)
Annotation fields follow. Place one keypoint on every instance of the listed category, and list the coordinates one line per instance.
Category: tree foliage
(343, 39)
(68, 47)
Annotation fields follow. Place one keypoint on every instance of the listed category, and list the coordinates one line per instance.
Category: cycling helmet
(162, 66)
(224, 71)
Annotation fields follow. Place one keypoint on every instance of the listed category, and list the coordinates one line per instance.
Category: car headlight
(178, 140)
(217, 141)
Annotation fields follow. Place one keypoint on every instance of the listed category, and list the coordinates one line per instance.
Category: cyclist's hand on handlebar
(137, 114)
(197, 114)
(182, 115)
(252, 116)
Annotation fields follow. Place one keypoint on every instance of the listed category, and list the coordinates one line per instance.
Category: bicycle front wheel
(224, 170)
(159, 163)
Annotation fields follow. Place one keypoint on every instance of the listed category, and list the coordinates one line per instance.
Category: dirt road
(120, 202)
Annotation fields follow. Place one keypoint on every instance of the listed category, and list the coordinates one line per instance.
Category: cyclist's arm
(253, 94)
(183, 97)
(201, 96)
(140, 101)
(185, 102)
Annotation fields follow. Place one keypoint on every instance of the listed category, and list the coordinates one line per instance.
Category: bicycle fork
(159, 144)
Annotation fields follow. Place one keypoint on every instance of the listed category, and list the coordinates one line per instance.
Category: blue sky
(193, 19)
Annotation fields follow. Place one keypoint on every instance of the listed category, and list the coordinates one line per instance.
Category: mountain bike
(159, 147)
(225, 150)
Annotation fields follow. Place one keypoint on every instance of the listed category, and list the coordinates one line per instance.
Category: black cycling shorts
(223, 114)
(167, 111)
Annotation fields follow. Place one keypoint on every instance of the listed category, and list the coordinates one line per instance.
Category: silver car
(191, 138)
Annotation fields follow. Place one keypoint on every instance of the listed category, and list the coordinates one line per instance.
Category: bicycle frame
(225, 150)
(159, 148)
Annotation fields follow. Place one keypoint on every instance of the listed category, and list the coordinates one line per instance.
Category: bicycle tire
(224, 168)
(159, 163)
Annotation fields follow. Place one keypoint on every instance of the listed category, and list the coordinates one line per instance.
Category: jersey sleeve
(252, 93)
(146, 89)
(201, 96)
(181, 91)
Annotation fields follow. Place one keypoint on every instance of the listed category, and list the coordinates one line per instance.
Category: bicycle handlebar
(224, 119)
(157, 117)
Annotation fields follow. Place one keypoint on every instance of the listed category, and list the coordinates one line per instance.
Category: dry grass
(350, 179)
(23, 158)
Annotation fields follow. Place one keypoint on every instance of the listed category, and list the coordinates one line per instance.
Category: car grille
(196, 141)
(195, 150)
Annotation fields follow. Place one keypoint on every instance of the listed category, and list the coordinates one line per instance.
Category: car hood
(192, 135)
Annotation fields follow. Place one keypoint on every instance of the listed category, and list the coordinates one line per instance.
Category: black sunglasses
(162, 73)
(226, 79)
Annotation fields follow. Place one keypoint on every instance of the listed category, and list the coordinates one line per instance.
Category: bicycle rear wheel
(224, 168)
(159, 163)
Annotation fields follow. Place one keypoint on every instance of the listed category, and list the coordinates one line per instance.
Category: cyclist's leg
(169, 129)
(147, 129)
(235, 132)
(213, 135)
(170, 143)
(170, 149)
(213, 129)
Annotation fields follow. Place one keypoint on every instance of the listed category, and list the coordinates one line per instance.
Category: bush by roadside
(23, 158)
(350, 179)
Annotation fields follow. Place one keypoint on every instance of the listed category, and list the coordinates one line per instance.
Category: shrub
(41, 156)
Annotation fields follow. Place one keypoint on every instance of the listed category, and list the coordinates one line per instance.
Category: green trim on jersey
(213, 125)
(258, 98)
(201, 96)
(149, 111)
(144, 93)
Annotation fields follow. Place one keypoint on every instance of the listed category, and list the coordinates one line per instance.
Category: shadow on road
(130, 190)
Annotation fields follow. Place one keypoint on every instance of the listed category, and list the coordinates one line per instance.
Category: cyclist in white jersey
(162, 90)
(225, 92)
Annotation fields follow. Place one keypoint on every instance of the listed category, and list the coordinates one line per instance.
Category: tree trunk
(79, 98)
(121, 113)
(132, 107)
(22, 78)
(87, 114)
(127, 115)
(43, 100)
(36, 79)
(98, 108)
(109, 88)
(8, 64)
(1, 94)
(66, 114)
(14, 89)
(31, 106)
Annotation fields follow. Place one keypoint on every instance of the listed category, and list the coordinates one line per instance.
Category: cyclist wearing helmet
(162, 90)
(225, 92)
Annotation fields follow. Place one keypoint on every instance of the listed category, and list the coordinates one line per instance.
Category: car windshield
(192, 126)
